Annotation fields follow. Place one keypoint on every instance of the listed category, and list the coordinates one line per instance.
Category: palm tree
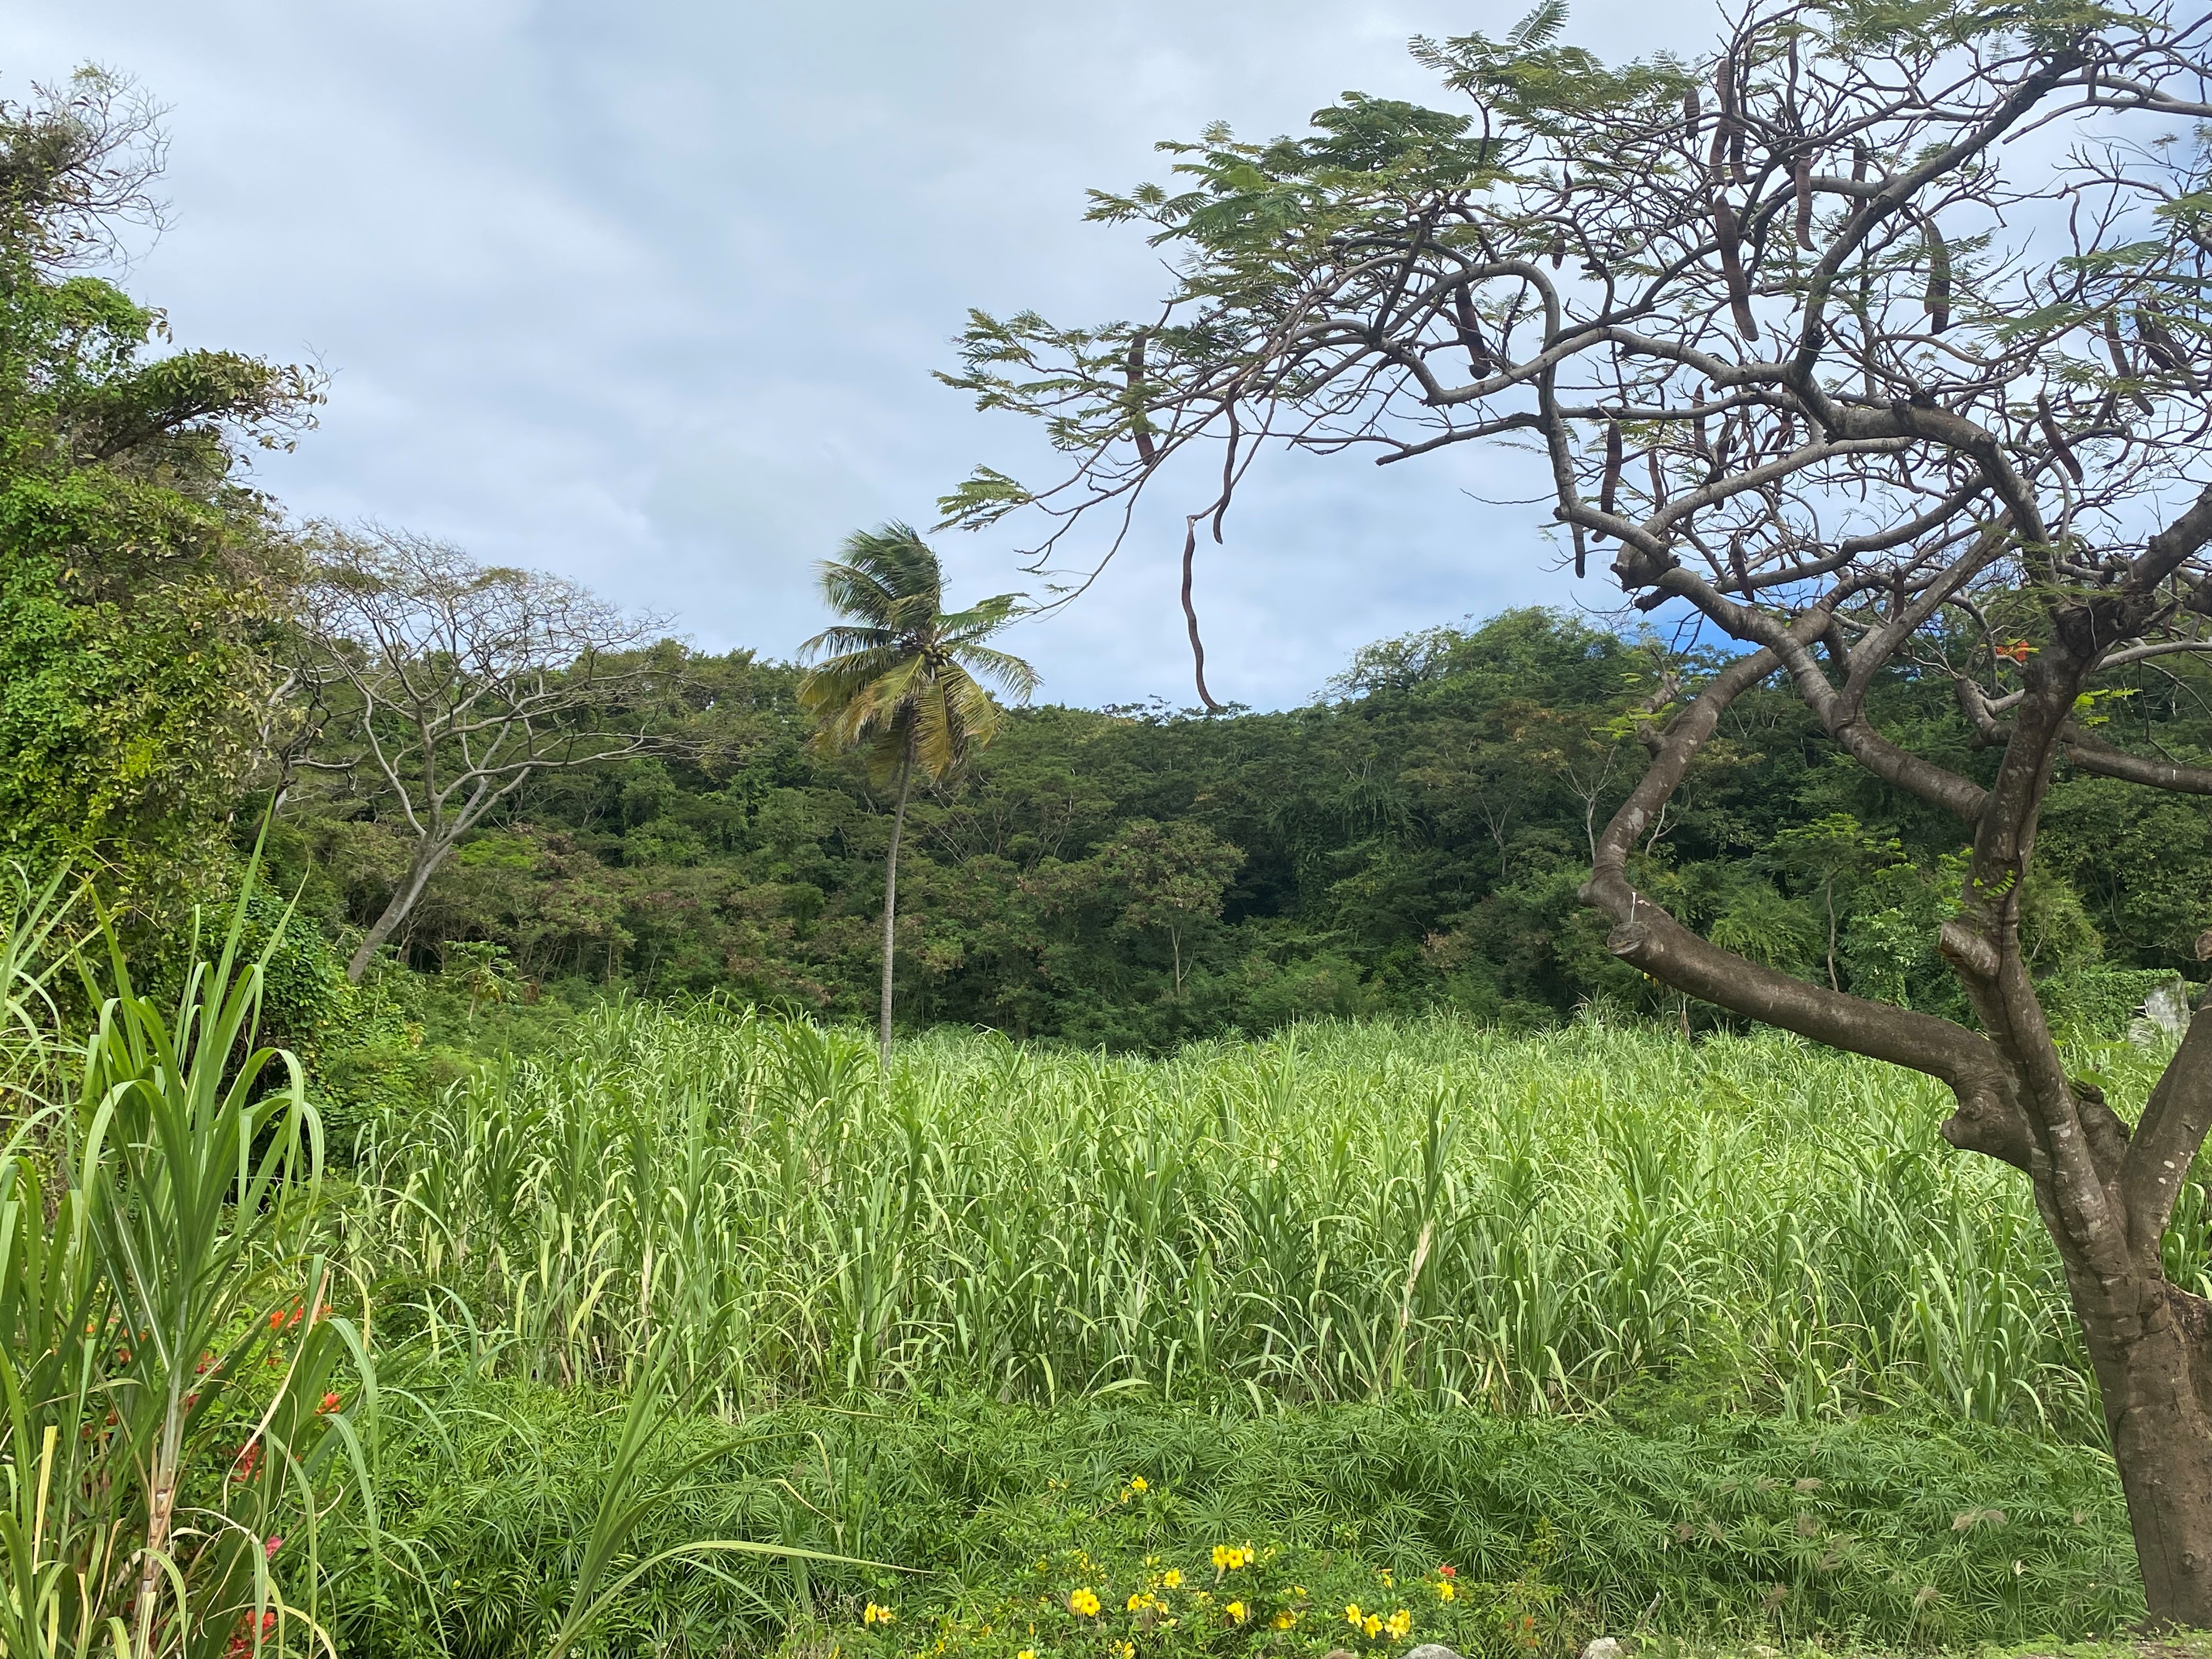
(900, 679)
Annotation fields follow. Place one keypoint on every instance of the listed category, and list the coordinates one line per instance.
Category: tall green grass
(1429, 1211)
(169, 1353)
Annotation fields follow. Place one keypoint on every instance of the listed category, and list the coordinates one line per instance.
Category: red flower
(277, 1320)
(1447, 1571)
(2015, 651)
(269, 1550)
(329, 1403)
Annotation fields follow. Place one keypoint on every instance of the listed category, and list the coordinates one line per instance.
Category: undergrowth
(1890, 1530)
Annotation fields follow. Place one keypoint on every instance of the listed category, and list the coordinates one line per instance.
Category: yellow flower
(1137, 1483)
(1026, 1653)
(1235, 1610)
(1352, 1613)
(1445, 1589)
(1372, 1624)
(1084, 1604)
(1137, 1601)
(1286, 1618)
(1400, 1622)
(1125, 1650)
(876, 1615)
(1172, 1578)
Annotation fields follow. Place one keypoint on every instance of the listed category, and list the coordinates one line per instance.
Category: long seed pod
(1658, 478)
(2165, 350)
(1937, 300)
(1140, 428)
(2123, 365)
(1558, 250)
(1860, 162)
(1479, 356)
(1802, 178)
(1608, 491)
(1738, 568)
(1692, 116)
(1729, 235)
(1727, 132)
(2056, 438)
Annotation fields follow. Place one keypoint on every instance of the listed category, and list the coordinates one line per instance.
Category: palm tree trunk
(890, 903)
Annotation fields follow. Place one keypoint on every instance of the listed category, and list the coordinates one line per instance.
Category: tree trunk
(890, 905)
(2154, 1364)
(429, 855)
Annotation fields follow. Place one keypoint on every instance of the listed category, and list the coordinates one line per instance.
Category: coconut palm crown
(902, 680)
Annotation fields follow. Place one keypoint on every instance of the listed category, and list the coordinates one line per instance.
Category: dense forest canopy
(1136, 876)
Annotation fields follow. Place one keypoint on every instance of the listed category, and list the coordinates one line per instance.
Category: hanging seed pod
(1860, 162)
(1802, 178)
(1738, 568)
(1726, 446)
(1140, 428)
(1738, 171)
(2117, 347)
(1610, 490)
(2056, 438)
(1937, 299)
(1658, 477)
(1480, 358)
(2123, 365)
(1558, 250)
(2163, 349)
(1698, 439)
(1692, 116)
(1727, 134)
(1729, 235)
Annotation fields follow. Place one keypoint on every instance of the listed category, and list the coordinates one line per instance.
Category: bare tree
(1877, 344)
(452, 682)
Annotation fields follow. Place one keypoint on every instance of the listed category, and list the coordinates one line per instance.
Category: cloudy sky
(649, 294)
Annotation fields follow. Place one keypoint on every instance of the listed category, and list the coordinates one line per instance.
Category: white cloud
(650, 295)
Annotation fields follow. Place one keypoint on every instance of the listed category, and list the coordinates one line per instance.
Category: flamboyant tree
(1878, 341)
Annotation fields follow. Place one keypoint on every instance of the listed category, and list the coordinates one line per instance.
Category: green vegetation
(1138, 879)
(1674, 1284)
(1430, 1211)
(498, 1237)
(141, 577)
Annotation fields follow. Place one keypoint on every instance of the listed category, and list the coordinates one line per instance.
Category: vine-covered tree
(902, 679)
(1877, 342)
(139, 571)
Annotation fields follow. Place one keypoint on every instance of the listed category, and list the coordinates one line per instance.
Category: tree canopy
(140, 575)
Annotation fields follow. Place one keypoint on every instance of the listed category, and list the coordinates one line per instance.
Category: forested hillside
(1134, 877)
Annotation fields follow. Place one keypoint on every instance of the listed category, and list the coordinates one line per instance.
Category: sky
(650, 295)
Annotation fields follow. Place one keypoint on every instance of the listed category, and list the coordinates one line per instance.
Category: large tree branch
(2173, 1127)
(1986, 1120)
(2092, 754)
